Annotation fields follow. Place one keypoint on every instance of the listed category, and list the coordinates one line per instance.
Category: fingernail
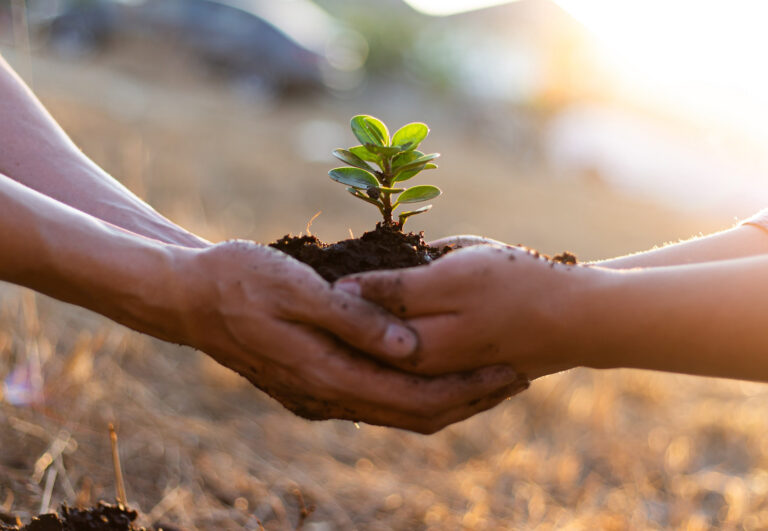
(399, 341)
(349, 286)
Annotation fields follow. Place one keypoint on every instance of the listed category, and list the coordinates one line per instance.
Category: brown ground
(202, 449)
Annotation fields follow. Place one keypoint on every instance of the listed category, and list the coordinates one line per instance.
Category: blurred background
(597, 126)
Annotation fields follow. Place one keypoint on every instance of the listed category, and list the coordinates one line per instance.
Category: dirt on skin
(386, 247)
(102, 517)
(565, 258)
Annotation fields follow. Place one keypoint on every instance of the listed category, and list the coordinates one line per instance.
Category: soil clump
(386, 247)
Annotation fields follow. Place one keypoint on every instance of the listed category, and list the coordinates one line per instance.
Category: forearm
(62, 252)
(36, 152)
(741, 241)
(705, 319)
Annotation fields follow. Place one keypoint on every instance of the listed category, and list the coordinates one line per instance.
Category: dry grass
(203, 450)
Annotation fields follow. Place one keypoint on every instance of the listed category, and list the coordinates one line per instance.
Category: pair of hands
(471, 328)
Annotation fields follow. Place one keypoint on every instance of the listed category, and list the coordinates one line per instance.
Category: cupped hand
(482, 305)
(276, 322)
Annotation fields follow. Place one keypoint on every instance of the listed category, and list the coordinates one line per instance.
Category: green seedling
(380, 163)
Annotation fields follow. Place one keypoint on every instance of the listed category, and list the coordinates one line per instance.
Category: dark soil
(102, 517)
(383, 248)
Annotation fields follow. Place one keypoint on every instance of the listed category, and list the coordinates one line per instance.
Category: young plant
(396, 160)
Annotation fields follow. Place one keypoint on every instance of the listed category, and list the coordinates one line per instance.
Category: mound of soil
(102, 517)
(385, 247)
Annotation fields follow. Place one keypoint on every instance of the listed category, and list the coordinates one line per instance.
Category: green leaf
(391, 190)
(405, 157)
(418, 163)
(405, 215)
(417, 194)
(404, 176)
(370, 130)
(384, 151)
(364, 153)
(410, 136)
(354, 177)
(350, 158)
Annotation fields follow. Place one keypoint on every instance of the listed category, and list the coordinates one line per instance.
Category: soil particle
(565, 258)
(385, 247)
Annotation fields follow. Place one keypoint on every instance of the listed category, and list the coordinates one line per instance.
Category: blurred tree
(390, 26)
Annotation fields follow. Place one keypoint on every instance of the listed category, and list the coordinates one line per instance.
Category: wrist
(561, 323)
(129, 279)
(155, 298)
(590, 319)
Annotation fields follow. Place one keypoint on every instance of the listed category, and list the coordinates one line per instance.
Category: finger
(442, 350)
(338, 373)
(430, 396)
(464, 240)
(457, 414)
(331, 381)
(411, 291)
(432, 423)
(313, 409)
(358, 323)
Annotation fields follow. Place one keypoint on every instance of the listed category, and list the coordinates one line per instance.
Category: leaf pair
(397, 160)
(374, 135)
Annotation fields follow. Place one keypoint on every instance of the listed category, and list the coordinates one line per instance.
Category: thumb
(403, 292)
(464, 240)
(360, 324)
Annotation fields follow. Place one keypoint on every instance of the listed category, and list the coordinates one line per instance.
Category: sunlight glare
(702, 57)
(451, 7)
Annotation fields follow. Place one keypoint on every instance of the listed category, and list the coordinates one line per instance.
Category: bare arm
(36, 152)
(705, 319)
(738, 242)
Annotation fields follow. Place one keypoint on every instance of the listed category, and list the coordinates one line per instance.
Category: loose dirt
(102, 517)
(382, 248)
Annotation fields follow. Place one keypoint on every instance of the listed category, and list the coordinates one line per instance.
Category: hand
(461, 241)
(270, 318)
(480, 306)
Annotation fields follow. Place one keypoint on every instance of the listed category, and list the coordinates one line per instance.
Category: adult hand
(481, 306)
(276, 322)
